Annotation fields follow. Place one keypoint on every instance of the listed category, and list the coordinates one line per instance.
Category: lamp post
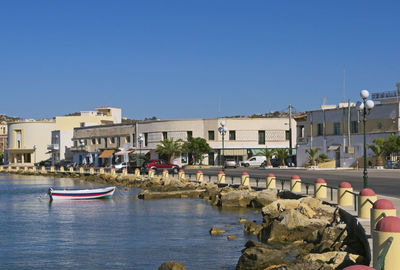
(222, 130)
(365, 106)
(140, 140)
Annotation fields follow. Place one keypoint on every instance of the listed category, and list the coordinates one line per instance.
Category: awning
(106, 153)
(122, 152)
(333, 147)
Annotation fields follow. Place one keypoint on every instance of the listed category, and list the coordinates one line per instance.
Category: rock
(172, 266)
(215, 231)
(252, 228)
(335, 259)
(263, 198)
(240, 198)
(275, 208)
(301, 266)
(311, 202)
(259, 256)
(242, 220)
(231, 237)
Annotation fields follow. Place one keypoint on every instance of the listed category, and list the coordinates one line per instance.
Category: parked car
(120, 166)
(159, 165)
(230, 163)
(254, 161)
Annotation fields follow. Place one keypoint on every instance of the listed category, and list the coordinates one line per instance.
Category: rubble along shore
(295, 233)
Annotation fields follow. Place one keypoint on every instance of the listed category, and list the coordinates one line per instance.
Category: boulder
(240, 198)
(263, 198)
(259, 256)
(273, 209)
(215, 231)
(172, 266)
(335, 259)
(231, 237)
(252, 228)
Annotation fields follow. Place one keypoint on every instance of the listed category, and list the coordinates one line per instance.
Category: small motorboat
(81, 194)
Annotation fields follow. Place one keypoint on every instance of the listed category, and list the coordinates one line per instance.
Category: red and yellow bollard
(81, 170)
(61, 168)
(271, 180)
(245, 179)
(101, 170)
(43, 169)
(165, 173)
(295, 184)
(320, 188)
(367, 198)
(52, 168)
(199, 176)
(91, 170)
(137, 172)
(181, 174)
(151, 173)
(71, 169)
(124, 171)
(221, 177)
(344, 197)
(113, 170)
(358, 267)
(381, 208)
(386, 228)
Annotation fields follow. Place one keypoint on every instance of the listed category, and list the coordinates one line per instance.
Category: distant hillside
(9, 118)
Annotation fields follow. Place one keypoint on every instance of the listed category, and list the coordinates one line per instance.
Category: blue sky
(193, 59)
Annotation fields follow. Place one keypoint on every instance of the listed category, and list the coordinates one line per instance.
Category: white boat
(81, 194)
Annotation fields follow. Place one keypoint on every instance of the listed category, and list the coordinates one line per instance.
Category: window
(118, 141)
(18, 138)
(112, 139)
(261, 137)
(336, 128)
(165, 135)
(98, 140)
(320, 130)
(211, 135)
(232, 135)
(189, 134)
(146, 141)
(105, 142)
(354, 126)
(93, 141)
(287, 135)
(76, 143)
(128, 139)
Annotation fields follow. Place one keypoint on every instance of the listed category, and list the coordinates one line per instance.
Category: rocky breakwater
(302, 234)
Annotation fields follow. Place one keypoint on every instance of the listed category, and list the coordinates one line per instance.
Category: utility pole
(290, 134)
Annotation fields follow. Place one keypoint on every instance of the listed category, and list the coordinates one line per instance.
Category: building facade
(338, 131)
(3, 139)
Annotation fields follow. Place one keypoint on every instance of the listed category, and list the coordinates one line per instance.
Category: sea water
(120, 233)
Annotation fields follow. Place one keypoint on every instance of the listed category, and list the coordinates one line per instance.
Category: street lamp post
(222, 130)
(365, 106)
(140, 140)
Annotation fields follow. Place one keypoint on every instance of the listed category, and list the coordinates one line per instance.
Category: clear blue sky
(193, 59)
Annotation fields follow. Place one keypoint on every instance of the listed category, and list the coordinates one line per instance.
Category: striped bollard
(181, 174)
(165, 173)
(199, 176)
(91, 170)
(381, 208)
(386, 228)
(81, 170)
(221, 177)
(34, 168)
(320, 188)
(245, 179)
(113, 170)
(43, 169)
(101, 170)
(61, 168)
(124, 171)
(52, 168)
(367, 198)
(71, 169)
(25, 168)
(1, 167)
(358, 267)
(295, 184)
(344, 197)
(137, 172)
(151, 173)
(271, 180)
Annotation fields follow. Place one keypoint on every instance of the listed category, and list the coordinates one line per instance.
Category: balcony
(53, 147)
(79, 148)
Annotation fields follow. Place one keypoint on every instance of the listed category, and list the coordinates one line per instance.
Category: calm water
(121, 233)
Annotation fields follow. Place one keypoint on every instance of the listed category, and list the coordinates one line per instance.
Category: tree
(282, 154)
(378, 149)
(391, 145)
(197, 147)
(322, 157)
(312, 155)
(268, 153)
(169, 148)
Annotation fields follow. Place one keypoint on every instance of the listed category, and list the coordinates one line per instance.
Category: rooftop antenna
(344, 83)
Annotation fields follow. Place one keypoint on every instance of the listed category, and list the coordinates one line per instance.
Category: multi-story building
(245, 137)
(338, 130)
(103, 145)
(3, 137)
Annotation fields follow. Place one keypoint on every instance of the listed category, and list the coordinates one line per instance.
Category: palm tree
(282, 154)
(378, 149)
(169, 148)
(268, 153)
(312, 155)
(197, 147)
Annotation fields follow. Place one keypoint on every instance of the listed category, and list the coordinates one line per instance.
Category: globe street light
(365, 106)
(222, 130)
(140, 140)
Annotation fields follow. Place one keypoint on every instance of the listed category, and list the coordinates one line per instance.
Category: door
(337, 157)
(211, 158)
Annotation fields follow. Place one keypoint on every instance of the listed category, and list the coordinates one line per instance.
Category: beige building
(27, 141)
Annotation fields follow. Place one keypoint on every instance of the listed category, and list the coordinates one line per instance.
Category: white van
(254, 161)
